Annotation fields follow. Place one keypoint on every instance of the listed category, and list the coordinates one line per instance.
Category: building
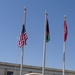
(14, 69)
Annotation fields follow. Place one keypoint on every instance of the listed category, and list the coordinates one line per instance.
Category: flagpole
(64, 53)
(44, 46)
(64, 45)
(22, 55)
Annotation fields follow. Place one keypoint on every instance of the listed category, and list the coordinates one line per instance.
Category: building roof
(35, 67)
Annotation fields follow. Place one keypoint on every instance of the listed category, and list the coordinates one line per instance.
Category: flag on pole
(23, 37)
(46, 39)
(65, 30)
(47, 32)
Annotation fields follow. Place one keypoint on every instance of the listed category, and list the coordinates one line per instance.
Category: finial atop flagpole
(25, 8)
(46, 12)
(64, 17)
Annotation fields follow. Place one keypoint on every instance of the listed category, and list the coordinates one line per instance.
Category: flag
(23, 37)
(65, 30)
(47, 32)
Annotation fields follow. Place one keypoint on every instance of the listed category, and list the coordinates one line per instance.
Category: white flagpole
(21, 66)
(44, 46)
(64, 53)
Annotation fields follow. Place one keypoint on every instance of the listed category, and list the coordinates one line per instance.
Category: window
(9, 73)
(30, 71)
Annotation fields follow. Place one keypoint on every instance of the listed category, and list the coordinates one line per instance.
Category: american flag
(23, 37)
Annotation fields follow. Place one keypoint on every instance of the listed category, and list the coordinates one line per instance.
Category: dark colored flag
(23, 37)
(47, 32)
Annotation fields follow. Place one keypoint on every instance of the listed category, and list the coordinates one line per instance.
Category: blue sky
(11, 20)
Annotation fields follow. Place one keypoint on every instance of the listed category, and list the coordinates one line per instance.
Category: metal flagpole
(23, 45)
(64, 46)
(64, 52)
(44, 46)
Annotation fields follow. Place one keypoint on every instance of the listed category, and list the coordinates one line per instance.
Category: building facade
(14, 69)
